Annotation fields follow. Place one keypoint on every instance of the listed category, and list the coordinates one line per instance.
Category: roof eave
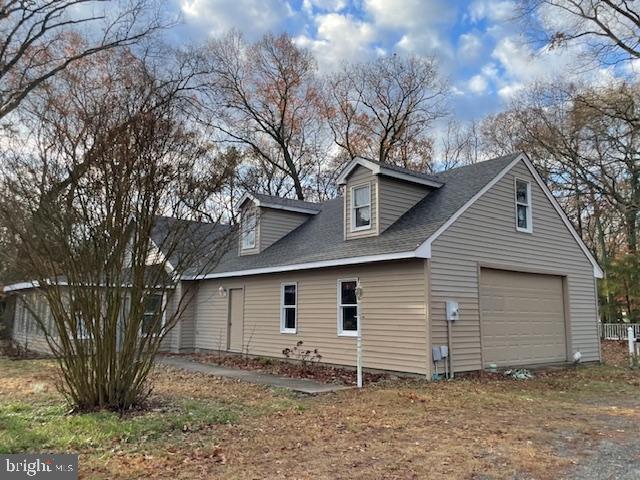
(307, 266)
(290, 208)
(387, 172)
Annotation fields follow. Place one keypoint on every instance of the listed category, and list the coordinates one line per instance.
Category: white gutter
(20, 286)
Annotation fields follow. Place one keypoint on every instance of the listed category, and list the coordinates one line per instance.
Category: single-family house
(479, 259)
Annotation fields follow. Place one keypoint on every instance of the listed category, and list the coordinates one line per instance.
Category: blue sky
(482, 52)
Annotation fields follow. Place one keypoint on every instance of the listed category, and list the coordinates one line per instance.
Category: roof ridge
(510, 156)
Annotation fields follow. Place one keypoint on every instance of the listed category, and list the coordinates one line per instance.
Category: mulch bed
(293, 369)
(613, 353)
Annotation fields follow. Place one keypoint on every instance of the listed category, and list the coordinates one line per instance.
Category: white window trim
(341, 332)
(282, 308)
(246, 246)
(529, 228)
(163, 311)
(352, 206)
(81, 330)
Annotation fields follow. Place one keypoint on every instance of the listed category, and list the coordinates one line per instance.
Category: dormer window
(361, 207)
(249, 230)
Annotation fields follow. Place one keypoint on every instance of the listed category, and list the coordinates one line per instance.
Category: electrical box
(437, 355)
(453, 311)
(444, 351)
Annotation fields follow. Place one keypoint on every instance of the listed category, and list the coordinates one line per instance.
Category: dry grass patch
(21, 379)
(463, 429)
(474, 428)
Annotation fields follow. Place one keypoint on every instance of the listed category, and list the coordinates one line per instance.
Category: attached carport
(522, 318)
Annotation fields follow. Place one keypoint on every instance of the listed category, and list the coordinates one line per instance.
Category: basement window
(361, 208)
(289, 308)
(348, 309)
(523, 206)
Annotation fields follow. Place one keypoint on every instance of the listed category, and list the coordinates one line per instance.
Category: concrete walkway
(296, 384)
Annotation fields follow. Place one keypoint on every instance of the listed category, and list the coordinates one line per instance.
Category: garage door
(522, 318)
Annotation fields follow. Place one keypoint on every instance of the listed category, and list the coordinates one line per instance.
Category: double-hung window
(523, 206)
(289, 308)
(152, 316)
(249, 224)
(361, 207)
(348, 310)
(82, 333)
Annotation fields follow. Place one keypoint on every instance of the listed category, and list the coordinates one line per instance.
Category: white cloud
(252, 17)
(490, 71)
(425, 43)
(493, 10)
(421, 24)
(339, 38)
(410, 13)
(478, 84)
(519, 66)
(469, 46)
(325, 5)
(509, 91)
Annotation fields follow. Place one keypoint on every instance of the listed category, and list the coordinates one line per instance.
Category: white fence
(618, 331)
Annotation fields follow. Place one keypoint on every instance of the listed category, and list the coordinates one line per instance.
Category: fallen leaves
(478, 427)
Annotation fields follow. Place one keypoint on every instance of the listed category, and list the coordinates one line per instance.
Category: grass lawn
(554, 426)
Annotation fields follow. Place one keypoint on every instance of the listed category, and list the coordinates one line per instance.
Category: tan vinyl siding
(361, 176)
(275, 224)
(395, 198)
(26, 331)
(394, 326)
(486, 235)
(184, 334)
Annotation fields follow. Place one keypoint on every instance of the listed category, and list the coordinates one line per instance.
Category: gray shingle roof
(322, 238)
(188, 241)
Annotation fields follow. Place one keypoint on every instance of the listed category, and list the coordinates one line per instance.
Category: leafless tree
(608, 29)
(40, 38)
(264, 96)
(106, 155)
(382, 109)
(460, 145)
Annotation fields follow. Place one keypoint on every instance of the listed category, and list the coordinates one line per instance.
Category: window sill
(360, 229)
(524, 230)
(349, 333)
(289, 331)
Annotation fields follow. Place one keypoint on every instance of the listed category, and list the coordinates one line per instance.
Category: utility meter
(453, 311)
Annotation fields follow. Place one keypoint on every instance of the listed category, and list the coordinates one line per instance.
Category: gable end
(424, 250)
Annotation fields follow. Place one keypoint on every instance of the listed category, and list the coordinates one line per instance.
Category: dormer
(377, 194)
(265, 219)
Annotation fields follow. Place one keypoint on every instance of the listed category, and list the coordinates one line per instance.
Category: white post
(631, 340)
(359, 359)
